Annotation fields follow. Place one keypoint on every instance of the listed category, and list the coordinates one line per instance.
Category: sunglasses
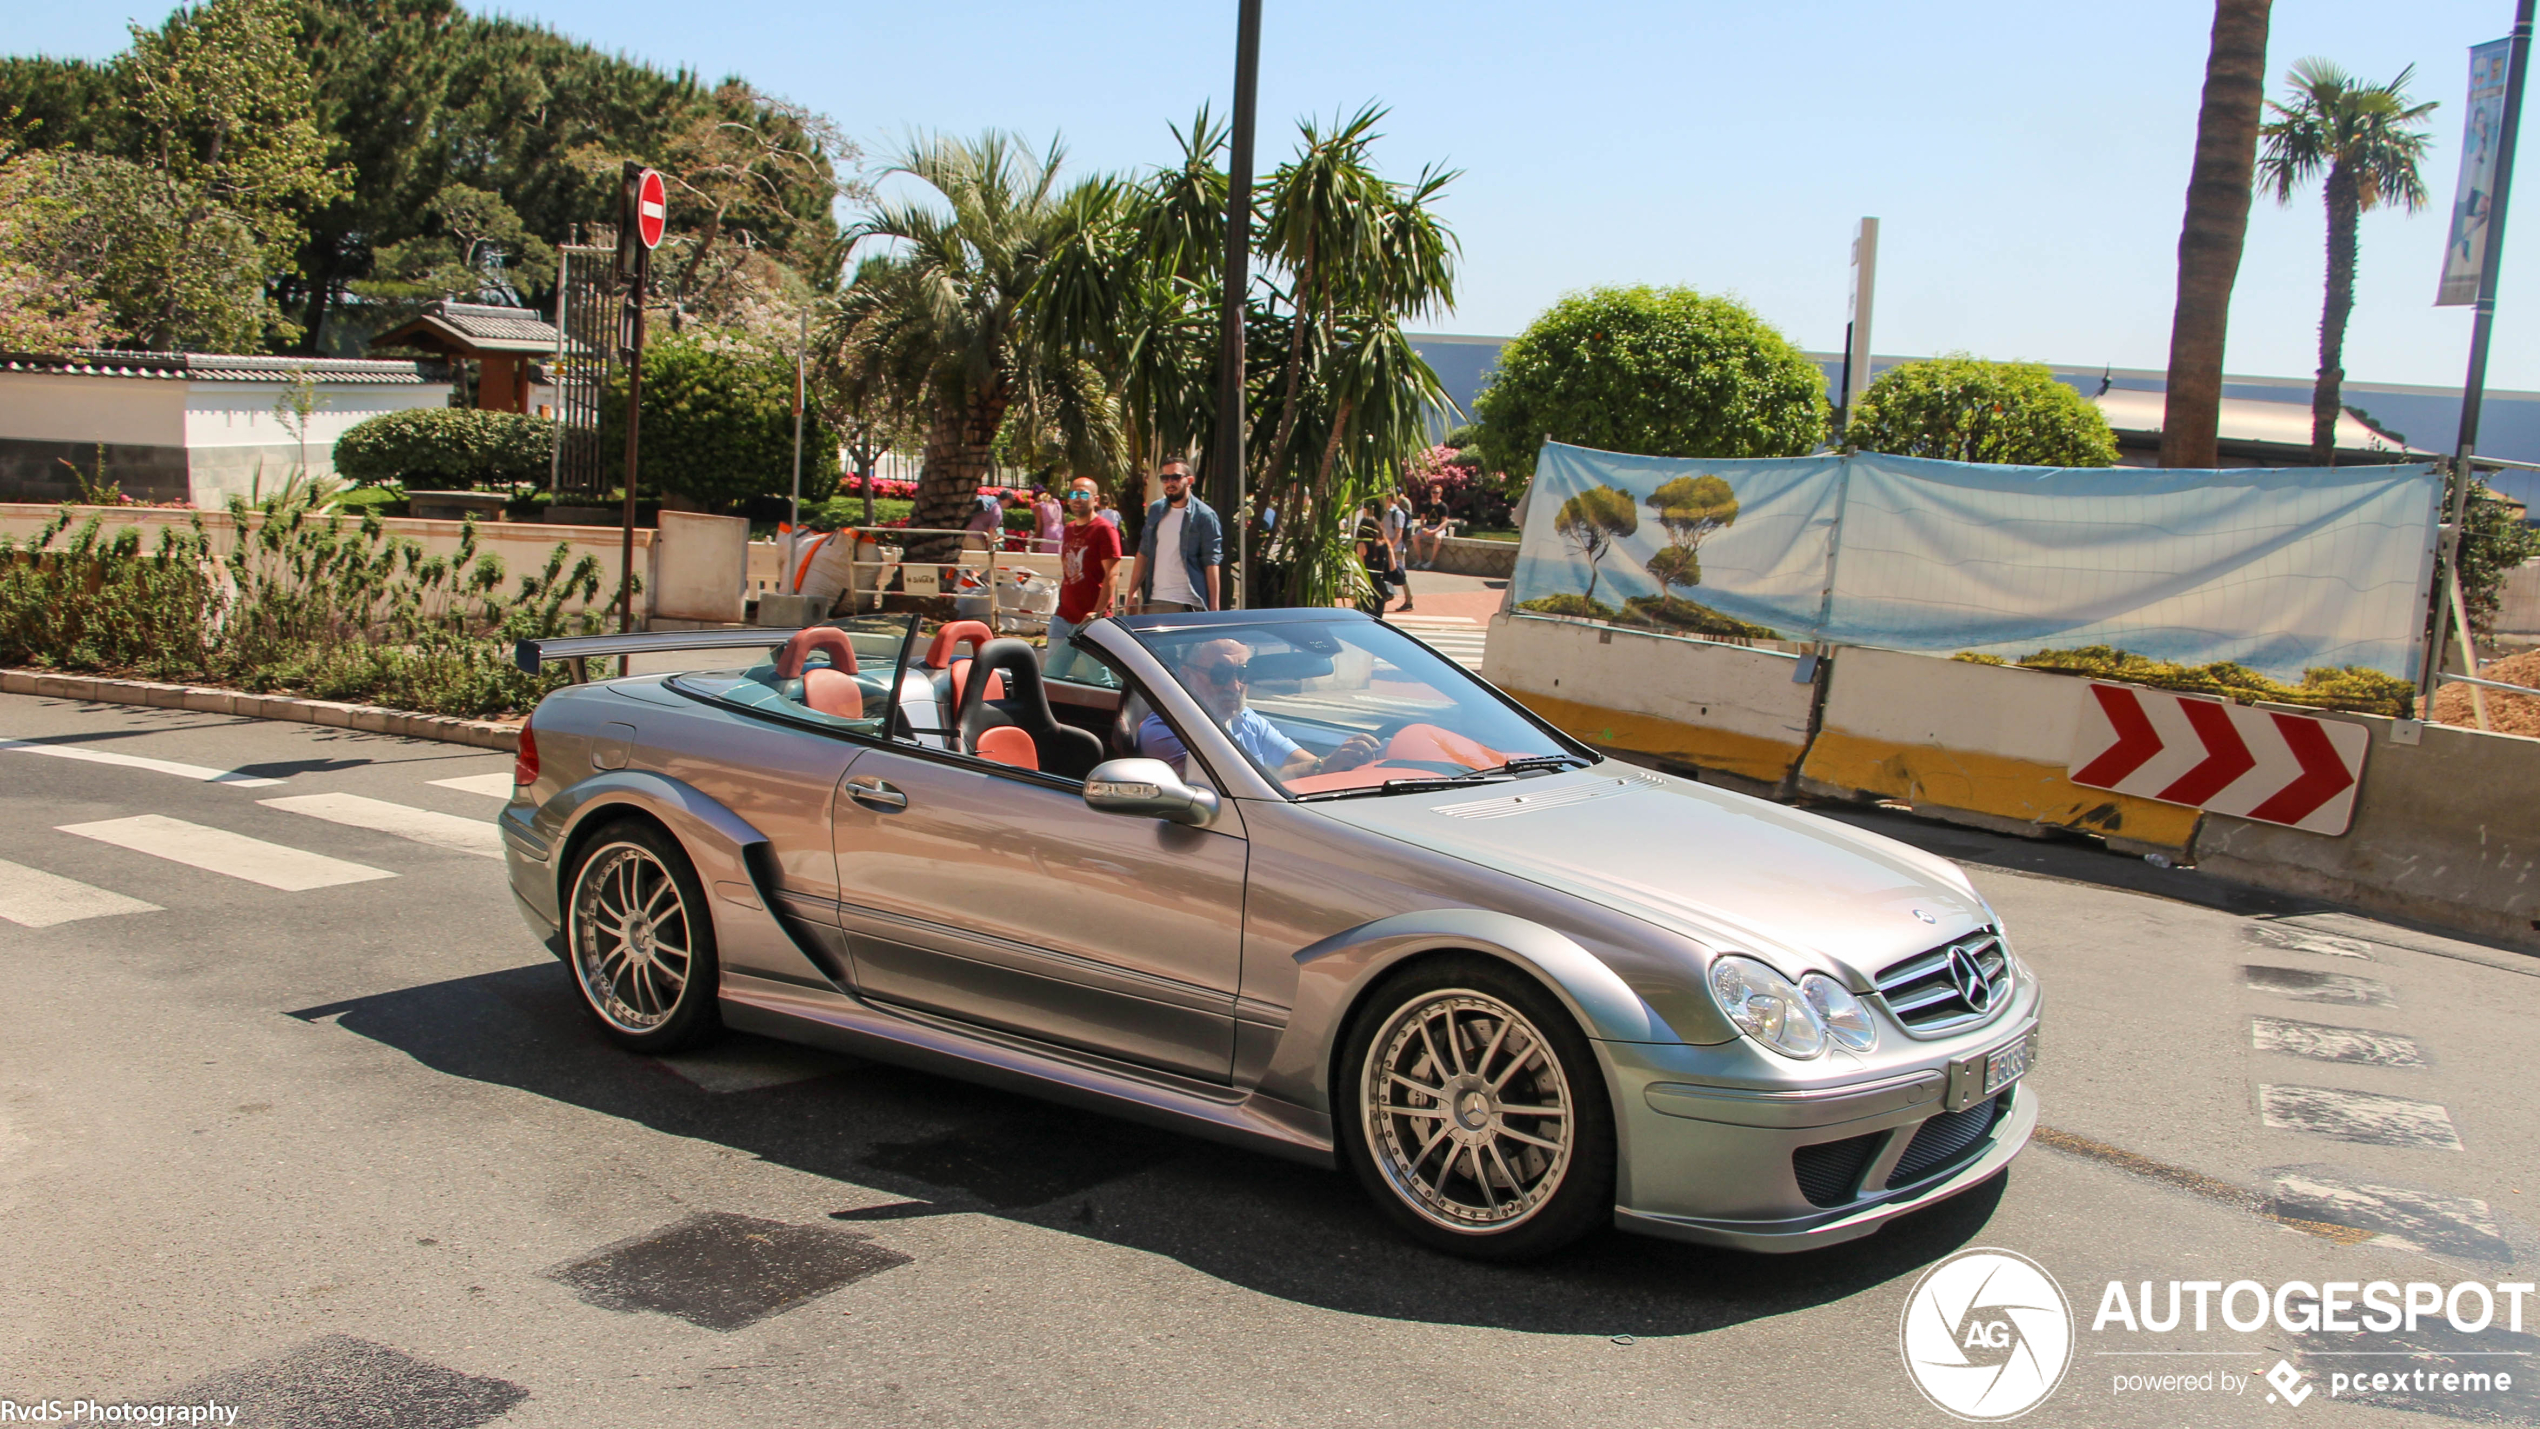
(1223, 674)
(1172, 476)
(1080, 496)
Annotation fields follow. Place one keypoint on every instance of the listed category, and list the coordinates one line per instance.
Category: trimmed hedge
(446, 448)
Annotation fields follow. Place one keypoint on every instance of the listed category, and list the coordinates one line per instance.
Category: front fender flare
(1334, 973)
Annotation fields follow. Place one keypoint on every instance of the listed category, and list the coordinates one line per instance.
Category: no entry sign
(2224, 758)
(652, 207)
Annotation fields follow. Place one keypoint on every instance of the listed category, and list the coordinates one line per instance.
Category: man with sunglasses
(1217, 673)
(1089, 550)
(1181, 548)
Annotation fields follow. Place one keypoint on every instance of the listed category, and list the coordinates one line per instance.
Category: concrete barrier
(2446, 831)
(1465, 556)
(1983, 745)
(1724, 709)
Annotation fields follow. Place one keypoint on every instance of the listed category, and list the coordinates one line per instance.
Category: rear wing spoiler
(530, 654)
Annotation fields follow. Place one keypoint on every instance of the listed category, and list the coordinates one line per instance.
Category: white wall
(54, 407)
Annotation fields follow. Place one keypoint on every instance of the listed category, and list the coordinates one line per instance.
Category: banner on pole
(2465, 254)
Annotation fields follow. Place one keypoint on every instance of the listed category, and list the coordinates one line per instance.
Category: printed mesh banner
(2279, 570)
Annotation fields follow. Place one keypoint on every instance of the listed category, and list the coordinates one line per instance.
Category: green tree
(1961, 408)
(2365, 138)
(46, 304)
(1655, 372)
(221, 107)
(1593, 521)
(479, 249)
(944, 331)
(718, 423)
(173, 273)
(1691, 509)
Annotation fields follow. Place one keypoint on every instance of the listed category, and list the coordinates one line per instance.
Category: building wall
(48, 419)
(235, 440)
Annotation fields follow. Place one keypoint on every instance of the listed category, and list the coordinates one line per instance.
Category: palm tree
(2362, 136)
(2217, 222)
(942, 331)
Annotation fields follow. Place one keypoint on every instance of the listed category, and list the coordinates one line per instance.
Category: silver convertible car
(1290, 879)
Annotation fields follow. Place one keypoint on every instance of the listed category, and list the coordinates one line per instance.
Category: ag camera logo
(1987, 1335)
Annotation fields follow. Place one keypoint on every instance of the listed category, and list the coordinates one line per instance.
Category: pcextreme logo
(1987, 1335)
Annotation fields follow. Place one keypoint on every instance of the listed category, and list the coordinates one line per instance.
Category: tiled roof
(226, 367)
(477, 327)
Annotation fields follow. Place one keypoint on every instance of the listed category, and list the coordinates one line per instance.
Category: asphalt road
(295, 1115)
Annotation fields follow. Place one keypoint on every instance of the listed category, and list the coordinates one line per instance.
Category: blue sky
(2028, 162)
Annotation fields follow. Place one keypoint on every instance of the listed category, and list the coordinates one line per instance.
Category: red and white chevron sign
(2224, 758)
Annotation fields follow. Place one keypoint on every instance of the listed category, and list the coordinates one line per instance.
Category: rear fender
(1334, 975)
(733, 859)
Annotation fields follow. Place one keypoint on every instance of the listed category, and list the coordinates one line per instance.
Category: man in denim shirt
(1181, 548)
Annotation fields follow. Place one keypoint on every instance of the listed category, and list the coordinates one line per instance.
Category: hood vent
(1512, 804)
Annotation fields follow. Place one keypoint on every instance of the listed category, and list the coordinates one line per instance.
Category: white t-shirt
(1172, 577)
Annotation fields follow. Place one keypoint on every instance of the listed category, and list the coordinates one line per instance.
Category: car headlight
(1766, 1007)
(1846, 1020)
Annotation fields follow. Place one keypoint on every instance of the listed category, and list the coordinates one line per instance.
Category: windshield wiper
(1407, 786)
(1540, 761)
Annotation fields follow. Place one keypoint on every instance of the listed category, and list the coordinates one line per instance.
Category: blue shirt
(1253, 734)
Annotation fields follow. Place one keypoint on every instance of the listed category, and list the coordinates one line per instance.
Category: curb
(503, 735)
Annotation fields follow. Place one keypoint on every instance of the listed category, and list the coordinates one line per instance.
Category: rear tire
(1471, 1107)
(640, 939)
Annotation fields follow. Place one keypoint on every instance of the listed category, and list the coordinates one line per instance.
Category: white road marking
(476, 836)
(32, 898)
(497, 785)
(220, 851)
(136, 761)
(2358, 1116)
(2335, 1044)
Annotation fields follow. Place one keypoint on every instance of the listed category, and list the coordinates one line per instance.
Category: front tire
(1471, 1107)
(640, 940)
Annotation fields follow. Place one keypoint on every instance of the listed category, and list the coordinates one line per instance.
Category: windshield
(1349, 705)
(812, 680)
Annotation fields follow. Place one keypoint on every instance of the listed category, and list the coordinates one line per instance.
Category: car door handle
(874, 793)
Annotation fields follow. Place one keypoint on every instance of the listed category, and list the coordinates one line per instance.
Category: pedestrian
(1108, 512)
(1376, 554)
(1428, 539)
(1181, 550)
(1048, 516)
(1090, 552)
(987, 517)
(1397, 517)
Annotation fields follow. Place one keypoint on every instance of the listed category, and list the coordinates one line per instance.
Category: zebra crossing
(32, 897)
(1457, 637)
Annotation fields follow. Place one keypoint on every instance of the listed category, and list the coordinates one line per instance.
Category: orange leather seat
(1007, 744)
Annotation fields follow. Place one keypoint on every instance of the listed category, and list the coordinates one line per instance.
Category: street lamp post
(1228, 460)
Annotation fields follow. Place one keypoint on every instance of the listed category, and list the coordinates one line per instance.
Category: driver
(1215, 673)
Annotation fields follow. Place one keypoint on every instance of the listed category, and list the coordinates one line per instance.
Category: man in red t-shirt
(1088, 550)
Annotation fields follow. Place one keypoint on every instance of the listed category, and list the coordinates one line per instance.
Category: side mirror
(1148, 789)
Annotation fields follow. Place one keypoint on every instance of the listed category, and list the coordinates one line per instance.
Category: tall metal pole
(1228, 462)
(564, 287)
(2482, 326)
(634, 423)
(802, 348)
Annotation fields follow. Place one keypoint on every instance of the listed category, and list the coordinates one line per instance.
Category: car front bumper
(1713, 1140)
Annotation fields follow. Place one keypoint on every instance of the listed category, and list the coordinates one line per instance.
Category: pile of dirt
(2506, 714)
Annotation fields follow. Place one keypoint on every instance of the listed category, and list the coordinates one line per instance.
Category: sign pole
(1229, 457)
(643, 213)
(1856, 336)
(2482, 327)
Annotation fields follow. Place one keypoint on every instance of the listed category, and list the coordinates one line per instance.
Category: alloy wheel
(1467, 1111)
(633, 946)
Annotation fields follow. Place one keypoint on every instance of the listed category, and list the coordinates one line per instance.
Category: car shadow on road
(1277, 1227)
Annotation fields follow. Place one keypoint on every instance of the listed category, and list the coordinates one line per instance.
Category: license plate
(2005, 1065)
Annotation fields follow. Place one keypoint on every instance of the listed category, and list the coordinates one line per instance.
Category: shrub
(718, 423)
(1961, 408)
(1469, 496)
(446, 448)
(1655, 372)
(304, 602)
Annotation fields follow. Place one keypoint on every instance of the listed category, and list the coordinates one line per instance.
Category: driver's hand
(1356, 750)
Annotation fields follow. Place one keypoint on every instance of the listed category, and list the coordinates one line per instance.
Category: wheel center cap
(1472, 1110)
(639, 932)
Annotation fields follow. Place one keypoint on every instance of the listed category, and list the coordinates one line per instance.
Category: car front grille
(1830, 1172)
(1925, 994)
(1946, 1141)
